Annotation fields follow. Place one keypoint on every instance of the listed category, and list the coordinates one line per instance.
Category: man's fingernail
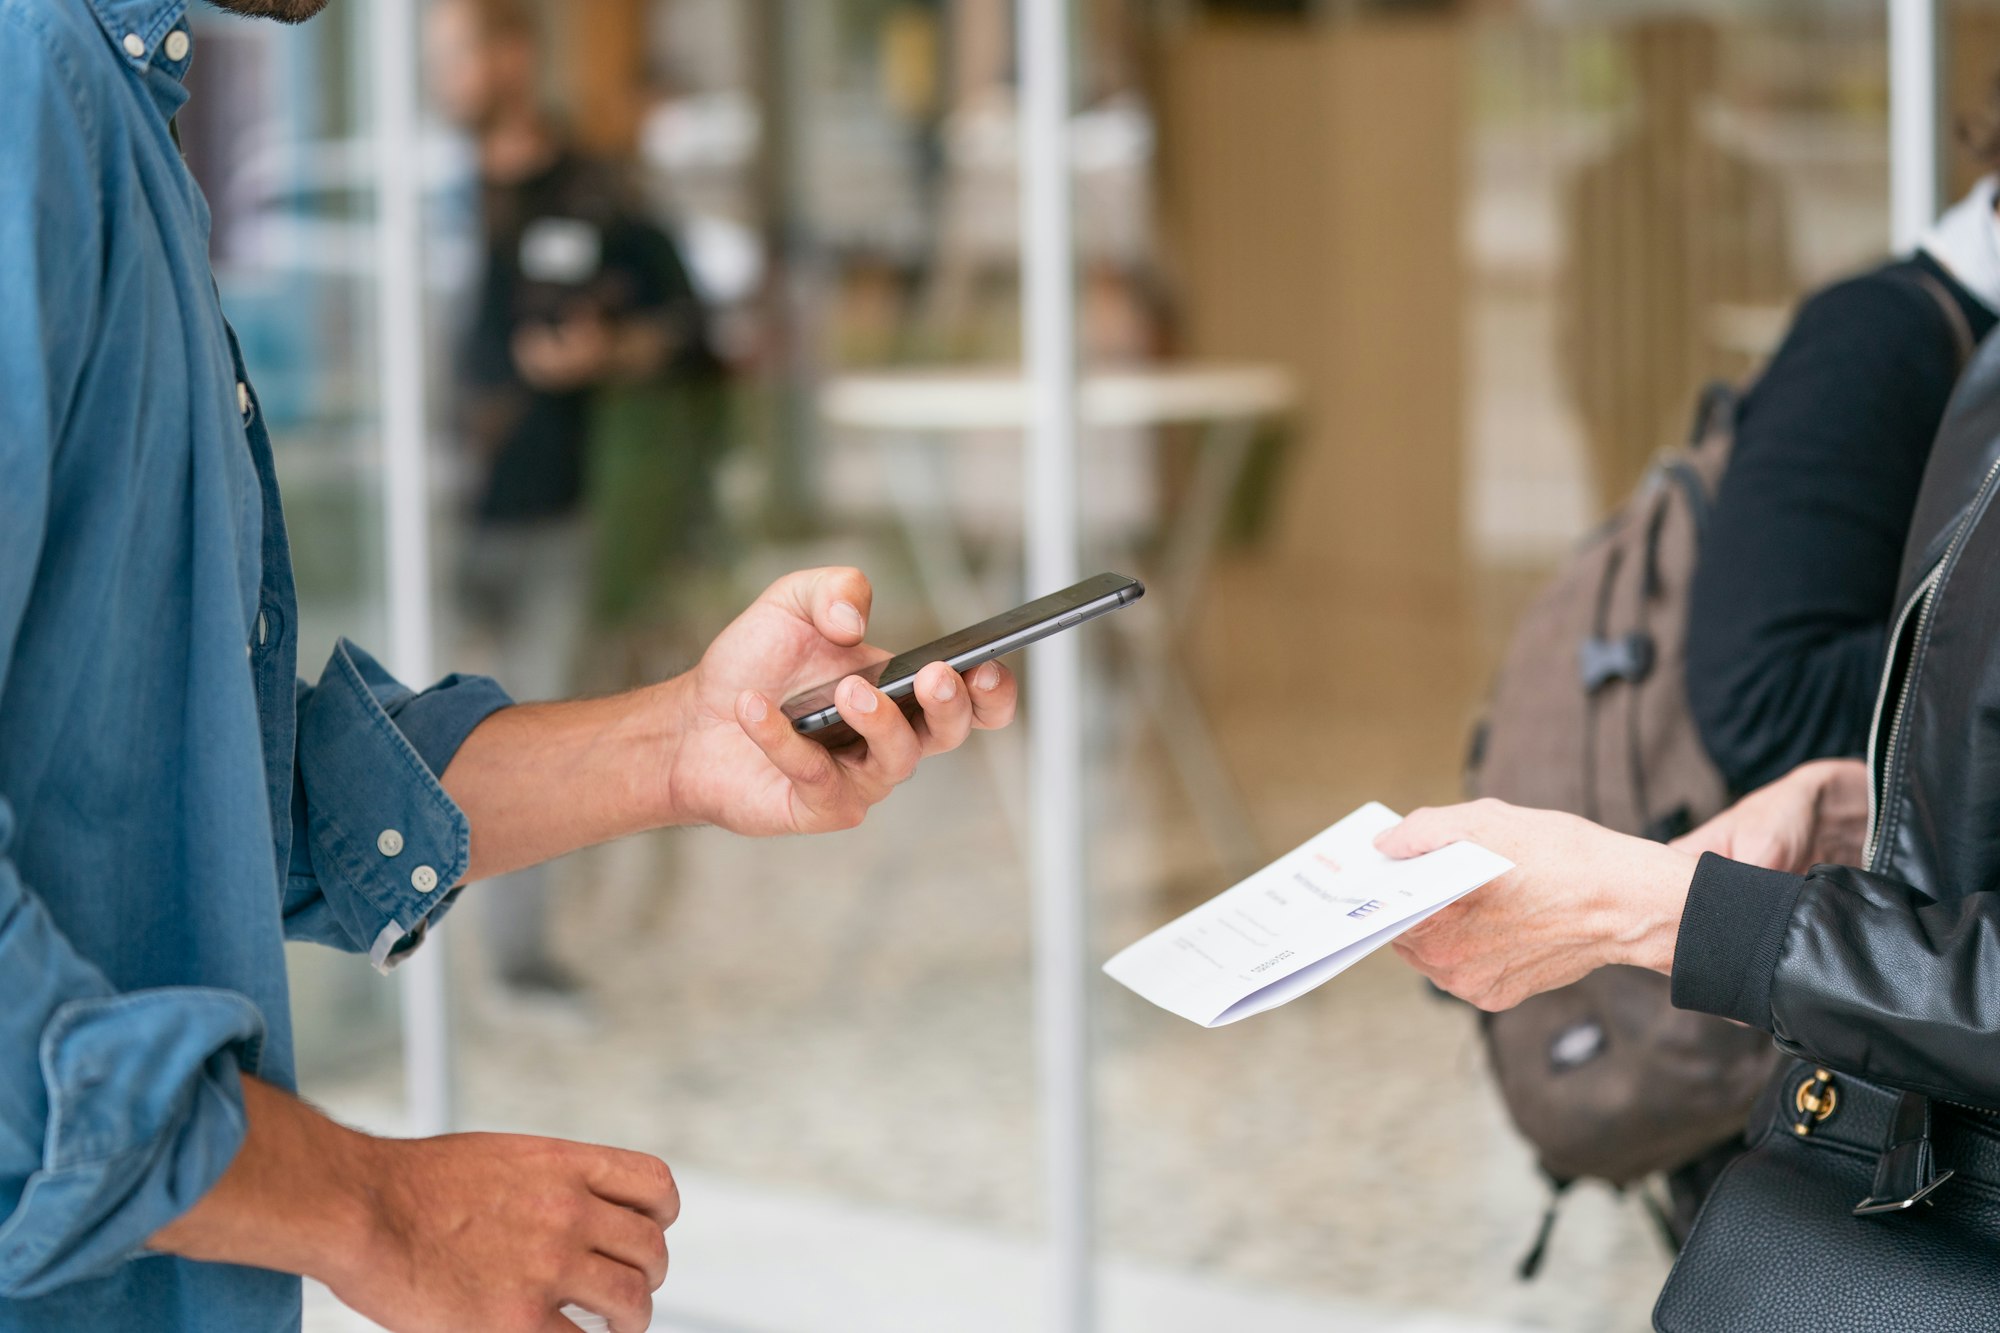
(947, 688)
(861, 698)
(755, 708)
(846, 618)
(987, 677)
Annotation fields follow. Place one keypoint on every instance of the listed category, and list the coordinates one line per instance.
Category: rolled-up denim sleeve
(118, 1111)
(378, 847)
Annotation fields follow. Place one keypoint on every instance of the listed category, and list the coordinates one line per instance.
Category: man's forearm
(538, 780)
(294, 1199)
(467, 1231)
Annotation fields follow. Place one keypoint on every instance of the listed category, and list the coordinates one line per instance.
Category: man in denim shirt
(174, 803)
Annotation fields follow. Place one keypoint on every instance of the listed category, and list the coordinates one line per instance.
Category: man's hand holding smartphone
(740, 764)
(817, 712)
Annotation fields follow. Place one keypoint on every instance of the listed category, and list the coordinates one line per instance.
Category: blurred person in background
(1668, 234)
(580, 298)
(175, 803)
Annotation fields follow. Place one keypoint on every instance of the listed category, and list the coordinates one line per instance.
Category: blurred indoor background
(1383, 303)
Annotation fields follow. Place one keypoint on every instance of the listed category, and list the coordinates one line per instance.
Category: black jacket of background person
(570, 237)
(1895, 975)
(1792, 595)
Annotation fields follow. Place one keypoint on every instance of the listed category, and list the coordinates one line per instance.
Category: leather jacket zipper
(1883, 762)
(1879, 759)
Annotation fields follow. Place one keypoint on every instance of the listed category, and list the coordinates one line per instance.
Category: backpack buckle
(1627, 657)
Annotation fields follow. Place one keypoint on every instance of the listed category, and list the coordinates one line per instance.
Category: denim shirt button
(135, 45)
(243, 400)
(389, 843)
(423, 879)
(177, 45)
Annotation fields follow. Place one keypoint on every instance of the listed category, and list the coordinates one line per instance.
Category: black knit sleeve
(1791, 599)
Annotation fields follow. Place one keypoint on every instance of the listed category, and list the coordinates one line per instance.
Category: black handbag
(1855, 1207)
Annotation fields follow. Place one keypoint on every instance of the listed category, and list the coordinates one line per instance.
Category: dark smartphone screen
(813, 713)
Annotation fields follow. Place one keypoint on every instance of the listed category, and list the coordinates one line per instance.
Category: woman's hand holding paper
(1580, 897)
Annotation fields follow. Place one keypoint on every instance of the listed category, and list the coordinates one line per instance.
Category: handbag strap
(1906, 1173)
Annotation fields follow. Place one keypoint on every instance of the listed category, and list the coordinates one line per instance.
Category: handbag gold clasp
(1814, 1101)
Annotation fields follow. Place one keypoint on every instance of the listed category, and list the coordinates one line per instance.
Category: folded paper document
(1308, 916)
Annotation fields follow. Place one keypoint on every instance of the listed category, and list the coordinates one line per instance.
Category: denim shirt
(174, 803)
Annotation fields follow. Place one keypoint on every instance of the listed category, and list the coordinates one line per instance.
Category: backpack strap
(1962, 340)
(1531, 1262)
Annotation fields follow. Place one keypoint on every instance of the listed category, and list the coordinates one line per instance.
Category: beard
(284, 11)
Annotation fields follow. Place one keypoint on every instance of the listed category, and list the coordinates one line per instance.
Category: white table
(918, 418)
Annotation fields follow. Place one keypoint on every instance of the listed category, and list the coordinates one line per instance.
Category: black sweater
(1792, 596)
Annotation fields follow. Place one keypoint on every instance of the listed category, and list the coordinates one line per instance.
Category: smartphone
(813, 713)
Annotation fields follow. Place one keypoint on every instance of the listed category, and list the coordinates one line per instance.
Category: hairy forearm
(538, 780)
(295, 1198)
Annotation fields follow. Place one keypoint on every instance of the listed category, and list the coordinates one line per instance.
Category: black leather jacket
(1893, 973)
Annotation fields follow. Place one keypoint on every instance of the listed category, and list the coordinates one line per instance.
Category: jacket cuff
(1731, 932)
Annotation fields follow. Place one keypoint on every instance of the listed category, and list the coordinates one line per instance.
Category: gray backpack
(1589, 714)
